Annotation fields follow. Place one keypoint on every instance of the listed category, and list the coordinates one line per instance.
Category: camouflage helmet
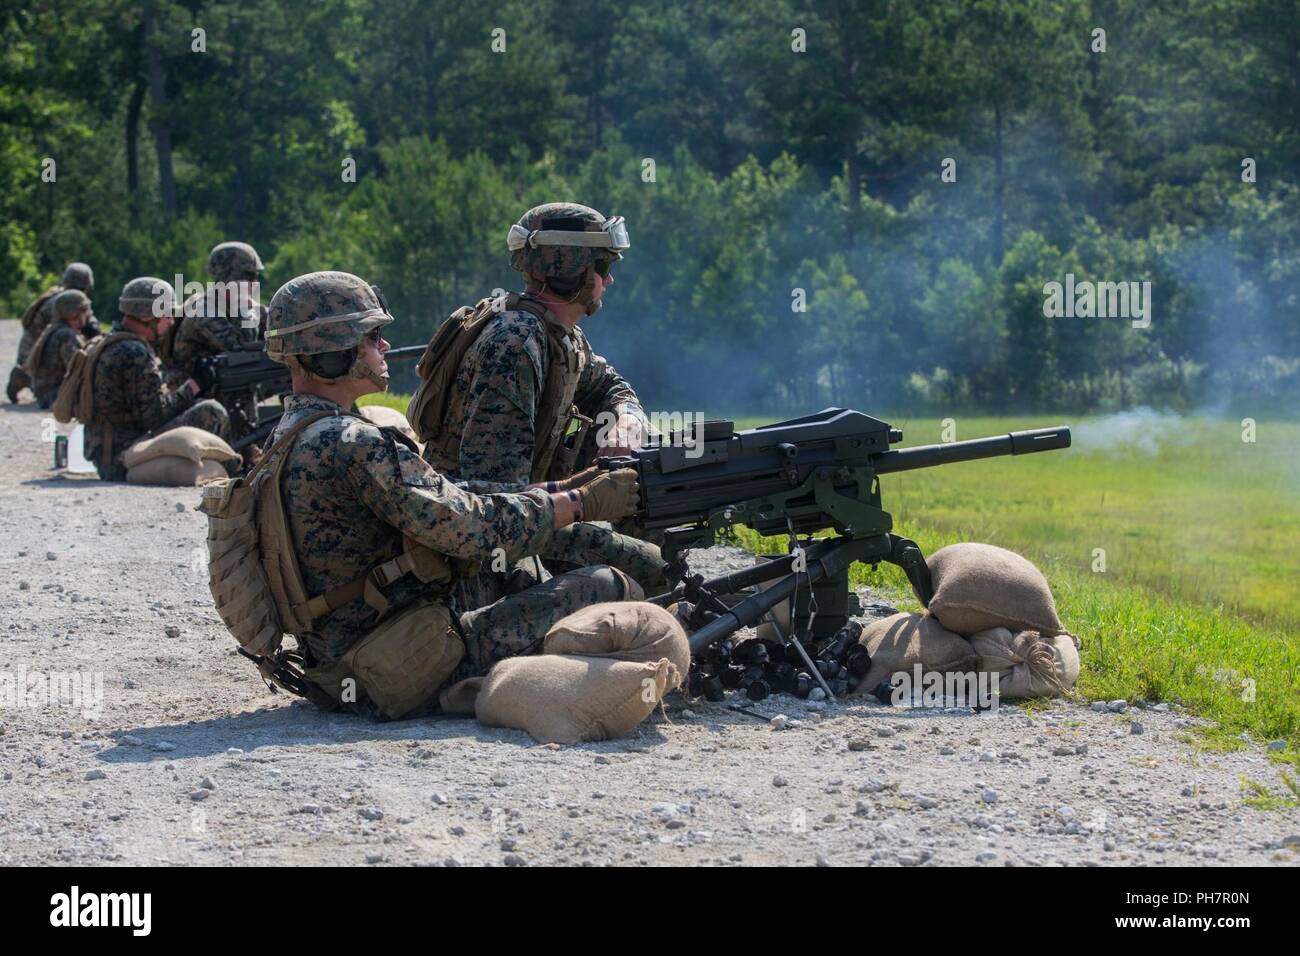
(78, 275)
(147, 297)
(68, 303)
(229, 261)
(325, 312)
(561, 240)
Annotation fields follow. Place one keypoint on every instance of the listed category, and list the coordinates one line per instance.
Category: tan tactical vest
(436, 404)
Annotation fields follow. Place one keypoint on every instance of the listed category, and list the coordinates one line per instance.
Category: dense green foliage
(774, 171)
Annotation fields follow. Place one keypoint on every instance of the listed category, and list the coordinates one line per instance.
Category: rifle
(252, 370)
(799, 477)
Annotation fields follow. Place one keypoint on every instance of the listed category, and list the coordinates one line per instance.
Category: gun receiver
(798, 477)
(251, 369)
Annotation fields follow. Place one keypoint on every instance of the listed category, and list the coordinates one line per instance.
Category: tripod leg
(906, 553)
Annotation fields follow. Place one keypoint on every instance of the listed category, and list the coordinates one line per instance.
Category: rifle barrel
(406, 351)
(1013, 443)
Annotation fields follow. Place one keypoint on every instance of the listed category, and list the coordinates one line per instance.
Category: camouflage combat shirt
(129, 391)
(500, 386)
(199, 335)
(351, 490)
(52, 364)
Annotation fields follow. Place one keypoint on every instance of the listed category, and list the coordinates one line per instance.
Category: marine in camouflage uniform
(130, 398)
(352, 491)
(495, 404)
(212, 325)
(53, 352)
(37, 317)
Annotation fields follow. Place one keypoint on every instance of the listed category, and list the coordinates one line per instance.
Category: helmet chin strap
(358, 370)
(586, 294)
(361, 370)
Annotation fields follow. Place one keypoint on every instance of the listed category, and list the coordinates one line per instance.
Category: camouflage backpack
(433, 402)
(33, 310)
(76, 399)
(257, 583)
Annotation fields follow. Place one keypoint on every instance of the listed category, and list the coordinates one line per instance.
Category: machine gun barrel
(1013, 443)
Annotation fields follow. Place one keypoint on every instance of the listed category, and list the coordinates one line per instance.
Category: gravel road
(184, 757)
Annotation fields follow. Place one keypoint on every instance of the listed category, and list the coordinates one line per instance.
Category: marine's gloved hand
(205, 376)
(610, 495)
(578, 480)
(91, 329)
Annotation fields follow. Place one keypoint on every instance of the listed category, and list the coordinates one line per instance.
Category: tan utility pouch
(402, 663)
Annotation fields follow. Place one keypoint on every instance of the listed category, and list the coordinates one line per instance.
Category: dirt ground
(188, 759)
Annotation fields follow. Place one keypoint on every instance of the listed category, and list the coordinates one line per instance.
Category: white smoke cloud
(1143, 429)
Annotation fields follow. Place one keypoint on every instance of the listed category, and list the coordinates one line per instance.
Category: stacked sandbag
(902, 641)
(175, 472)
(601, 672)
(1027, 663)
(179, 457)
(1002, 603)
(979, 586)
(386, 417)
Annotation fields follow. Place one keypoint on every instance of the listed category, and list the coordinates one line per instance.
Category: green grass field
(1199, 599)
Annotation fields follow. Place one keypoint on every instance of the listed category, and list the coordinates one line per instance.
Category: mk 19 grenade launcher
(799, 477)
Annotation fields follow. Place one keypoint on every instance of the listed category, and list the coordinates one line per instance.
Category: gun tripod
(789, 665)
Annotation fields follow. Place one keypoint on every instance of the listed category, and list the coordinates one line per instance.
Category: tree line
(847, 202)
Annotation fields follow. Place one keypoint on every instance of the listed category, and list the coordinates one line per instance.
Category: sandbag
(626, 630)
(175, 472)
(185, 442)
(1027, 663)
(569, 698)
(386, 417)
(459, 698)
(602, 671)
(901, 641)
(980, 586)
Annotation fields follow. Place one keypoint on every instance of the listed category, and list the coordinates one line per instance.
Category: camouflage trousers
(587, 542)
(578, 546)
(18, 379)
(207, 414)
(45, 392)
(516, 624)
